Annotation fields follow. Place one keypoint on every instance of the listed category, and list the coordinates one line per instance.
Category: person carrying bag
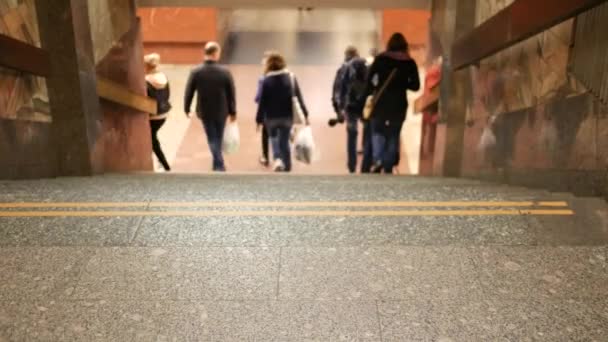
(370, 102)
(395, 72)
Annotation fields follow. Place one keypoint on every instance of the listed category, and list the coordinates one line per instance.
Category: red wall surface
(178, 34)
(414, 24)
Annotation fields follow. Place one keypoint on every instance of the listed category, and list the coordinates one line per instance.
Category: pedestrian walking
(216, 100)
(157, 85)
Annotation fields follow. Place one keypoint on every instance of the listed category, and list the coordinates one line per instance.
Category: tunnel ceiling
(412, 4)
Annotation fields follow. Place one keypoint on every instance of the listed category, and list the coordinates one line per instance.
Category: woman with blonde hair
(157, 84)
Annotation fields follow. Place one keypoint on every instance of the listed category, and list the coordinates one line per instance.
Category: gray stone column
(65, 32)
(451, 20)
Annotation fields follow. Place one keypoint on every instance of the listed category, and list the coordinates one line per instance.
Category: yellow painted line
(288, 213)
(464, 204)
(565, 212)
(552, 204)
(43, 205)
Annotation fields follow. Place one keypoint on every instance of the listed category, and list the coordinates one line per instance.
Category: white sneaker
(278, 166)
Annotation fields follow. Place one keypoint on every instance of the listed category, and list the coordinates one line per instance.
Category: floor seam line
(138, 227)
(278, 289)
(81, 274)
(379, 318)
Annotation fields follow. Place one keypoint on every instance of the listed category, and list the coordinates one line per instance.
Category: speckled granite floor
(244, 268)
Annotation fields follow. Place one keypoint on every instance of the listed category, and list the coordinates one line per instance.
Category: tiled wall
(487, 8)
(545, 126)
(117, 45)
(110, 20)
(22, 96)
(178, 34)
(414, 24)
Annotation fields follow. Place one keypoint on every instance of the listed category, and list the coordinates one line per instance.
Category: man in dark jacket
(216, 100)
(353, 97)
(337, 99)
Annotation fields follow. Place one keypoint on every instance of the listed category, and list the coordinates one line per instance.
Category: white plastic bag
(487, 140)
(232, 138)
(304, 145)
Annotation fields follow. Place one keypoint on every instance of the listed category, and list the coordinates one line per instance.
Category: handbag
(370, 102)
(298, 114)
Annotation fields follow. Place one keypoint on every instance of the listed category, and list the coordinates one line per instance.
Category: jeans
(368, 159)
(155, 126)
(279, 132)
(352, 131)
(385, 143)
(265, 140)
(214, 128)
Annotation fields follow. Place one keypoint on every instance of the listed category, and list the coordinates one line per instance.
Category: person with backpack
(337, 98)
(354, 85)
(391, 75)
(157, 85)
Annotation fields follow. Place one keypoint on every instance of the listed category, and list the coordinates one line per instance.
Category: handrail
(24, 57)
(118, 93)
(517, 22)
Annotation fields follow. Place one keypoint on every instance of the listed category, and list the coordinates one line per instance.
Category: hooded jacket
(392, 104)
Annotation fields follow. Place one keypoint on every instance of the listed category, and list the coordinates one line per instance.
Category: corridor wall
(529, 121)
(26, 146)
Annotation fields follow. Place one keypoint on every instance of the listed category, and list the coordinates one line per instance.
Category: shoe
(377, 168)
(278, 166)
(264, 162)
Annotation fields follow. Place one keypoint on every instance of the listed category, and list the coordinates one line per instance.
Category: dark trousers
(385, 143)
(280, 132)
(368, 158)
(214, 128)
(155, 126)
(352, 132)
(265, 142)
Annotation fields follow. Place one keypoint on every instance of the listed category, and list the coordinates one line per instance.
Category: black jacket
(354, 87)
(276, 97)
(163, 106)
(392, 104)
(337, 96)
(215, 87)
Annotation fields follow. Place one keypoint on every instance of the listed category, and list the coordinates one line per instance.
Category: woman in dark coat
(390, 107)
(276, 111)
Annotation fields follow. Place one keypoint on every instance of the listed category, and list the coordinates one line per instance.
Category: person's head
(275, 62)
(266, 55)
(213, 51)
(151, 62)
(373, 52)
(397, 43)
(350, 53)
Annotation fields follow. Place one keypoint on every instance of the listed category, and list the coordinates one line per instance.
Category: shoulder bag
(370, 102)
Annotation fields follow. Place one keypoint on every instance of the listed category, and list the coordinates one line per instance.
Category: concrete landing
(299, 258)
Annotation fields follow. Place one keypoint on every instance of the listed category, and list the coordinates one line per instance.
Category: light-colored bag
(304, 145)
(487, 140)
(232, 138)
(370, 102)
(298, 114)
